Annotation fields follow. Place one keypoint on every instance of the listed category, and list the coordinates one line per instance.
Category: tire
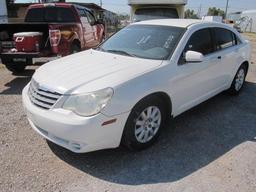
(75, 48)
(238, 81)
(15, 68)
(137, 123)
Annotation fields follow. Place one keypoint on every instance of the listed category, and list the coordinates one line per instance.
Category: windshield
(50, 14)
(144, 41)
(155, 13)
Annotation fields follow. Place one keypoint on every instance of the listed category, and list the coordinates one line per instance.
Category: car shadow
(20, 80)
(15, 86)
(191, 141)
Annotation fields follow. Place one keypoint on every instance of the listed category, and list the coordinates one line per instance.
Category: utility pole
(226, 12)
(199, 11)
(101, 3)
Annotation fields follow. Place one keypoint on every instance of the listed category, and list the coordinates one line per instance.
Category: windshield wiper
(100, 49)
(121, 52)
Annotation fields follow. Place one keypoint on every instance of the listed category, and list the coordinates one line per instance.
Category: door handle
(219, 57)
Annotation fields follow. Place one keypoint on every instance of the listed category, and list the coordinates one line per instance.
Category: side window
(90, 18)
(224, 38)
(83, 16)
(200, 41)
(81, 13)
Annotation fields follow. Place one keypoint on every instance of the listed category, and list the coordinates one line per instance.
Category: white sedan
(124, 91)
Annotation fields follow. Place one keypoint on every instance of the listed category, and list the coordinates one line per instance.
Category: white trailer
(156, 9)
(213, 18)
(3, 12)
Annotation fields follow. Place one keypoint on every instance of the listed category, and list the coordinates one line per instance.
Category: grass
(250, 36)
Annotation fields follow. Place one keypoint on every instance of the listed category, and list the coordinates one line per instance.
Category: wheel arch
(163, 97)
(246, 63)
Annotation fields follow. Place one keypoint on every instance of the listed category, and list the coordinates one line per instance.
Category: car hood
(96, 69)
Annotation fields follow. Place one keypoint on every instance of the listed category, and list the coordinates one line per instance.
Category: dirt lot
(210, 148)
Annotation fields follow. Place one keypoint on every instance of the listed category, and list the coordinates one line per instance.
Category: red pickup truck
(64, 28)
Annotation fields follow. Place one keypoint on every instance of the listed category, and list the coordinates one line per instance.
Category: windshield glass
(144, 41)
(155, 13)
(50, 14)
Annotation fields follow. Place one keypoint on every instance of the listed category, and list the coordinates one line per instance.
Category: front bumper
(73, 132)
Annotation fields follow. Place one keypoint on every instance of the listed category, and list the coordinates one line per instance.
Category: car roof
(39, 5)
(183, 23)
(65, 5)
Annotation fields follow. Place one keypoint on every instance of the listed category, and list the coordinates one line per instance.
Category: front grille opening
(42, 98)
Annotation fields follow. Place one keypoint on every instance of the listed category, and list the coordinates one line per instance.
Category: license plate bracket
(20, 60)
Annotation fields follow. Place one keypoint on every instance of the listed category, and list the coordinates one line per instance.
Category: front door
(92, 23)
(196, 82)
(87, 29)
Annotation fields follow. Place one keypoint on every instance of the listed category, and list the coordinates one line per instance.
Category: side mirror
(99, 21)
(194, 57)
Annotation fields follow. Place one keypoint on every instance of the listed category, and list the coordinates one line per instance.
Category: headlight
(88, 104)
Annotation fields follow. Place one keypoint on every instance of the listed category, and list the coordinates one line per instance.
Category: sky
(120, 6)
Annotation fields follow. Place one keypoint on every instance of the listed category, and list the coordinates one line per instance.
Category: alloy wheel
(148, 124)
(239, 81)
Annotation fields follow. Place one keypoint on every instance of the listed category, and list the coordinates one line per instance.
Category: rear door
(226, 42)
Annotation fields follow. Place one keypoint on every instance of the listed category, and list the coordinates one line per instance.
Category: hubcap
(147, 124)
(239, 79)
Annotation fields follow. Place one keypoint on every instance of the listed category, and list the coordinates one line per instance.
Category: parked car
(61, 28)
(125, 90)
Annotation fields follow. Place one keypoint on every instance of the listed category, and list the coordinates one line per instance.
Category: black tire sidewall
(74, 48)
(232, 89)
(128, 138)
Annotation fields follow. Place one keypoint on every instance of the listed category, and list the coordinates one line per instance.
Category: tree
(213, 11)
(9, 2)
(123, 16)
(190, 14)
(9, 6)
(50, 1)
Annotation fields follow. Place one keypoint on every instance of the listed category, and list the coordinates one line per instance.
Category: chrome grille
(41, 97)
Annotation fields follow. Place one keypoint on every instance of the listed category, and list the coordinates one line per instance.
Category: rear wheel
(15, 67)
(75, 48)
(238, 81)
(144, 124)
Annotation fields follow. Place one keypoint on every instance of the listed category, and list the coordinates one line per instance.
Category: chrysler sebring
(124, 91)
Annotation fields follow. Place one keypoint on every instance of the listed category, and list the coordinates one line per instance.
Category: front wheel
(144, 124)
(238, 81)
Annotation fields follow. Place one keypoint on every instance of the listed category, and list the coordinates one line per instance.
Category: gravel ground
(209, 148)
